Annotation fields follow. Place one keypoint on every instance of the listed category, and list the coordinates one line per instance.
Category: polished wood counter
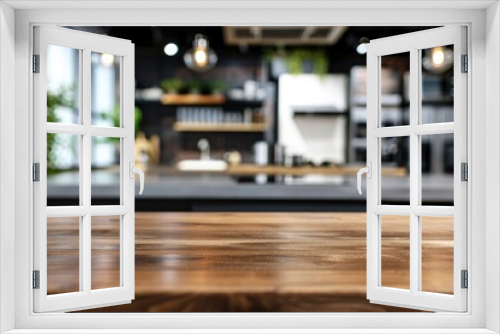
(251, 262)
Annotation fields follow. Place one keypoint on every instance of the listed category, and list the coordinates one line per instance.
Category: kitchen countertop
(160, 183)
(263, 262)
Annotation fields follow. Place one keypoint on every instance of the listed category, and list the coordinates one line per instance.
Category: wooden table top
(250, 261)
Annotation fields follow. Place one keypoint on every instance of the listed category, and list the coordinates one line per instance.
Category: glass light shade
(438, 60)
(171, 49)
(362, 46)
(200, 58)
(361, 49)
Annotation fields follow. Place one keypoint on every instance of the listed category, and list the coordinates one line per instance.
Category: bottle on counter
(261, 158)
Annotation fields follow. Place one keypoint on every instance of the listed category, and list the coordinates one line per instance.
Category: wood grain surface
(224, 127)
(250, 262)
(252, 169)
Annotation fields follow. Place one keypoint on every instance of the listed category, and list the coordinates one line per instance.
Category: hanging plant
(298, 60)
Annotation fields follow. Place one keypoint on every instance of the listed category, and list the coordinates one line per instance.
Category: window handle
(134, 170)
(368, 171)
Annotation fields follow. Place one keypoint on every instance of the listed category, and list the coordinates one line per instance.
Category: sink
(202, 165)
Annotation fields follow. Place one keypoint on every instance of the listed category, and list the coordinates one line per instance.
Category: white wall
(7, 160)
(281, 16)
(492, 166)
(317, 138)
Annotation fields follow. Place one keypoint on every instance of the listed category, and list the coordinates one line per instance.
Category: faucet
(204, 147)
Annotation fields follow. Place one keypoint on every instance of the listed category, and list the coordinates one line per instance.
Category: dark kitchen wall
(235, 65)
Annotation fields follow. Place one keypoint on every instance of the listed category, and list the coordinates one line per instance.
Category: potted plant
(218, 87)
(194, 87)
(172, 86)
(206, 87)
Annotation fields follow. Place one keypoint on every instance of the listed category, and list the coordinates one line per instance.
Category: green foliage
(63, 97)
(115, 119)
(172, 85)
(268, 54)
(296, 58)
(205, 87)
(194, 85)
(137, 119)
(219, 86)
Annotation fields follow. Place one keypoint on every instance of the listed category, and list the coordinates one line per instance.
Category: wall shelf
(249, 169)
(192, 99)
(333, 113)
(230, 127)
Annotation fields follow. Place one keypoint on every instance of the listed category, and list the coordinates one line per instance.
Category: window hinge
(464, 171)
(36, 279)
(36, 63)
(36, 172)
(465, 64)
(464, 279)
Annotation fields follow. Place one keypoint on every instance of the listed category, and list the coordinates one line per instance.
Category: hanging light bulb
(438, 57)
(200, 58)
(438, 60)
(362, 46)
(171, 49)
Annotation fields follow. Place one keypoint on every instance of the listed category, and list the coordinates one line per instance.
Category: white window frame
(413, 44)
(484, 308)
(85, 43)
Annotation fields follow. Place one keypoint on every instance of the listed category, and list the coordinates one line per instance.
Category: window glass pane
(395, 260)
(63, 169)
(105, 252)
(395, 181)
(63, 255)
(394, 111)
(437, 169)
(437, 85)
(63, 80)
(105, 78)
(105, 171)
(437, 254)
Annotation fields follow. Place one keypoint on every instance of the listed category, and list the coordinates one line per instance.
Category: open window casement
(413, 131)
(75, 129)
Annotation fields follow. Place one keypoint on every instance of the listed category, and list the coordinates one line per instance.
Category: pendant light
(438, 60)
(171, 49)
(361, 48)
(200, 58)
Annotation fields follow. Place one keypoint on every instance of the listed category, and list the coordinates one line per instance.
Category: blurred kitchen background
(250, 119)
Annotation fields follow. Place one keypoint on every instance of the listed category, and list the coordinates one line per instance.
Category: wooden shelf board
(192, 99)
(187, 127)
(250, 169)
